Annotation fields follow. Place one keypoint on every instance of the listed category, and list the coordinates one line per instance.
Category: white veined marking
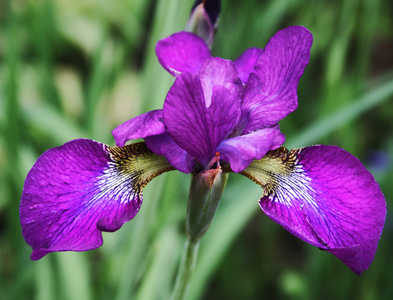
(113, 182)
(297, 185)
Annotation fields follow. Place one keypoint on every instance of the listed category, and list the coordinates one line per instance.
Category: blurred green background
(78, 68)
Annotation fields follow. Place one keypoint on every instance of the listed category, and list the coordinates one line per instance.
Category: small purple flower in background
(219, 115)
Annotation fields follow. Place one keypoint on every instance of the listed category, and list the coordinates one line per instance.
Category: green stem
(186, 267)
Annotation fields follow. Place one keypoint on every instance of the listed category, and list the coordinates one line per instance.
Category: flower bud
(205, 193)
(203, 19)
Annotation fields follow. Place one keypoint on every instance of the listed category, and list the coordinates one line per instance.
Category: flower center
(215, 160)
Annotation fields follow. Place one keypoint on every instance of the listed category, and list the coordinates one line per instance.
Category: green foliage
(72, 69)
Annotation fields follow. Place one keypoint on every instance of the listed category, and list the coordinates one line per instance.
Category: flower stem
(186, 267)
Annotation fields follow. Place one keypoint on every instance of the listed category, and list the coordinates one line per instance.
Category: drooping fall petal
(75, 191)
(324, 196)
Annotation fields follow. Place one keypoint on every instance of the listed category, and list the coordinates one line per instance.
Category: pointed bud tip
(203, 19)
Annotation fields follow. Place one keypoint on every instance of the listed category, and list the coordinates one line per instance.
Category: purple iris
(218, 113)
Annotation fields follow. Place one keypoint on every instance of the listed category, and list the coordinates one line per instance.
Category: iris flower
(218, 115)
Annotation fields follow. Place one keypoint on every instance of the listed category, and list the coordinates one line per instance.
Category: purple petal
(271, 91)
(194, 127)
(325, 196)
(240, 151)
(164, 145)
(147, 124)
(182, 52)
(246, 62)
(217, 71)
(75, 191)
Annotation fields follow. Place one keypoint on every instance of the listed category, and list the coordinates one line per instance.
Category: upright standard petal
(271, 91)
(147, 124)
(194, 127)
(75, 191)
(246, 62)
(324, 196)
(217, 71)
(182, 52)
